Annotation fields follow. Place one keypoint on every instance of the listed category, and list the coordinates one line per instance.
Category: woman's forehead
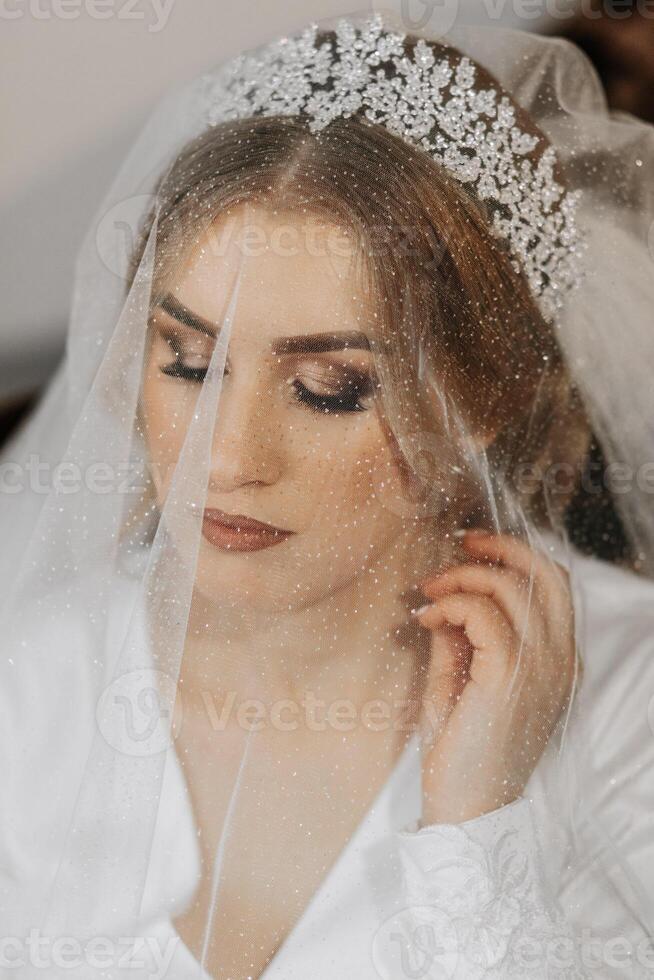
(303, 343)
(284, 272)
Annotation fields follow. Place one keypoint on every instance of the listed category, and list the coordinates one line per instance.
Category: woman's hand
(501, 673)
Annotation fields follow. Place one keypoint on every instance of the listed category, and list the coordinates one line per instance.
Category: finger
(506, 548)
(512, 551)
(486, 627)
(451, 654)
(510, 589)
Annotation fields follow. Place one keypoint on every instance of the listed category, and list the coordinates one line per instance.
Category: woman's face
(298, 441)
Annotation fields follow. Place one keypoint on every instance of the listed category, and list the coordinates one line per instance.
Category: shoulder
(616, 586)
(614, 614)
(604, 767)
(60, 645)
(614, 744)
(614, 608)
(57, 642)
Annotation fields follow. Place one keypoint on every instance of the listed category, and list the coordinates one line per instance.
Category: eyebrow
(301, 344)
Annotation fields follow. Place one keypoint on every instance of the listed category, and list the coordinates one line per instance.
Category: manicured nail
(479, 531)
(422, 609)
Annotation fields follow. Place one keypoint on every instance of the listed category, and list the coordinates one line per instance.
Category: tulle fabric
(105, 588)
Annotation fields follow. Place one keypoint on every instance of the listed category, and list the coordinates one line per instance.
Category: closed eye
(348, 399)
(324, 390)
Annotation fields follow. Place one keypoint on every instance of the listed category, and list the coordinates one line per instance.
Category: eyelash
(348, 401)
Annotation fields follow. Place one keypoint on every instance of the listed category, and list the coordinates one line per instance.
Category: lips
(237, 532)
(241, 522)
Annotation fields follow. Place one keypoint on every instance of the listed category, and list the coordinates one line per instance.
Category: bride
(312, 666)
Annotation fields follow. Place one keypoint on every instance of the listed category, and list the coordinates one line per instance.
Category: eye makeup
(191, 354)
(332, 388)
(347, 389)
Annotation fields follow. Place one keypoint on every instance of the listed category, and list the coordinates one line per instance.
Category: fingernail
(462, 531)
(422, 609)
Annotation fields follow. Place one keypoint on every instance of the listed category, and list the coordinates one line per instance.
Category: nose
(247, 443)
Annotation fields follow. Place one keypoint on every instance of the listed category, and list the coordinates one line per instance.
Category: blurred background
(79, 77)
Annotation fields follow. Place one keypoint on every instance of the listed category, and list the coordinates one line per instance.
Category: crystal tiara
(432, 103)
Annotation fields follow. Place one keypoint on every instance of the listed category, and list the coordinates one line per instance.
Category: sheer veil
(124, 621)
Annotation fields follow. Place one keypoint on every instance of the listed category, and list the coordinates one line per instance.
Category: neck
(357, 644)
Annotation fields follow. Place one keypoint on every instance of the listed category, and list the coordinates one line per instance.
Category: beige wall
(75, 90)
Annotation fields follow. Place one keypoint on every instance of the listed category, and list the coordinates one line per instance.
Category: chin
(251, 580)
(279, 579)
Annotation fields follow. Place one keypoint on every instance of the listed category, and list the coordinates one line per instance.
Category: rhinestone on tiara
(432, 103)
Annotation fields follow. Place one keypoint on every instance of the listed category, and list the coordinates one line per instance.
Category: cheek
(348, 479)
(167, 415)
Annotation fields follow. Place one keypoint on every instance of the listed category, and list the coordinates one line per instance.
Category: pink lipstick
(236, 532)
